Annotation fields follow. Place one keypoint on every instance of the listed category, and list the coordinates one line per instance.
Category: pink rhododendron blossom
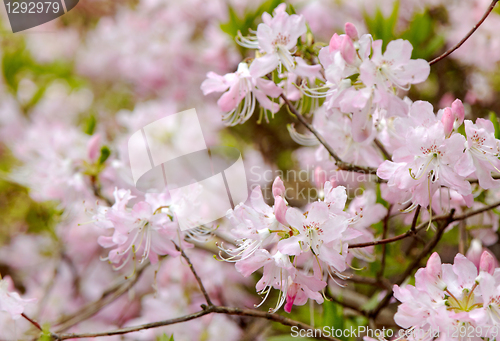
(394, 66)
(481, 154)
(146, 229)
(276, 37)
(238, 103)
(10, 301)
(316, 232)
(447, 296)
(419, 169)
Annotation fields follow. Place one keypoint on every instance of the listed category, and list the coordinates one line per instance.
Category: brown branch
(33, 322)
(410, 232)
(37, 325)
(382, 149)
(96, 189)
(198, 279)
(93, 308)
(475, 181)
(467, 36)
(338, 161)
(415, 218)
(209, 310)
(415, 263)
(380, 273)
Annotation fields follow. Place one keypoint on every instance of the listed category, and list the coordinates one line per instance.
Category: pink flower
(423, 166)
(10, 301)
(301, 289)
(481, 154)
(278, 187)
(147, 229)
(448, 296)
(238, 103)
(254, 225)
(277, 273)
(394, 66)
(276, 37)
(318, 232)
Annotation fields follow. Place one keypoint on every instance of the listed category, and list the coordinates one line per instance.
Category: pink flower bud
(280, 209)
(448, 119)
(335, 43)
(348, 51)
(434, 265)
(93, 145)
(278, 187)
(487, 263)
(459, 111)
(351, 31)
(291, 294)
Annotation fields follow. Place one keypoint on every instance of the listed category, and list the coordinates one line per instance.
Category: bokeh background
(106, 69)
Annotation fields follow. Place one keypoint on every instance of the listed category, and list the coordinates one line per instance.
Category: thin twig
(209, 310)
(382, 149)
(380, 273)
(96, 188)
(338, 161)
(476, 26)
(415, 263)
(198, 279)
(424, 225)
(93, 308)
(415, 218)
(37, 325)
(33, 322)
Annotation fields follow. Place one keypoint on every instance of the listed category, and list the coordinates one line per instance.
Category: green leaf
(45, 334)
(105, 153)
(381, 27)
(494, 120)
(249, 19)
(164, 337)
(89, 125)
(333, 316)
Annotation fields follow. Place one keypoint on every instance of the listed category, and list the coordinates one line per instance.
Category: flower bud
(335, 43)
(278, 187)
(448, 120)
(348, 51)
(93, 149)
(280, 209)
(351, 31)
(434, 267)
(459, 112)
(487, 263)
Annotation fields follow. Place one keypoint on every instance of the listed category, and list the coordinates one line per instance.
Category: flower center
(281, 40)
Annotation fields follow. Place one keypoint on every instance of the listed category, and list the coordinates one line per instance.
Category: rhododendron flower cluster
(298, 250)
(146, 229)
(447, 297)
(363, 162)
